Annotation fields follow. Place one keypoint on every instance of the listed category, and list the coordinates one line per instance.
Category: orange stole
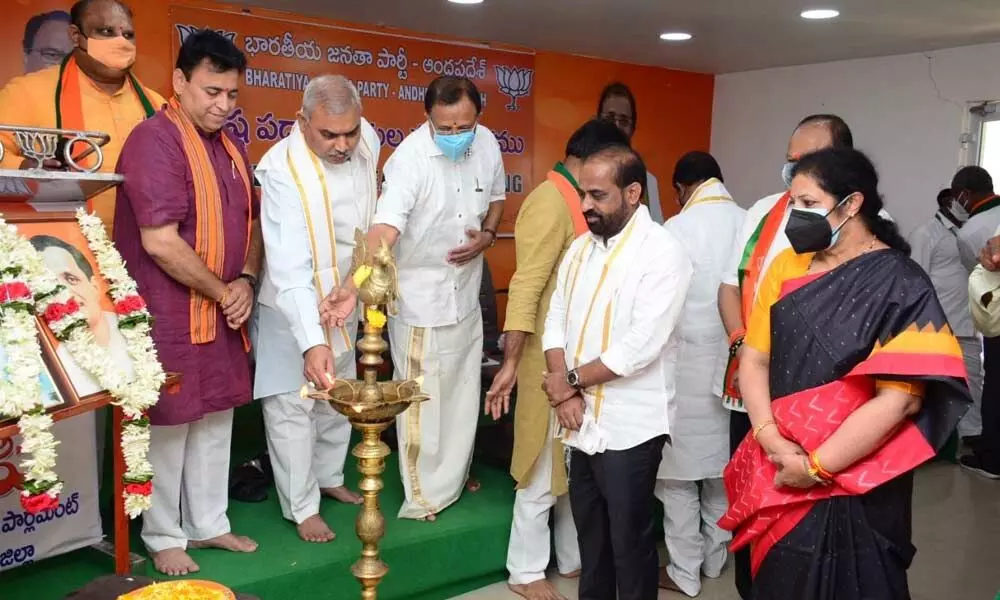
(210, 242)
(572, 198)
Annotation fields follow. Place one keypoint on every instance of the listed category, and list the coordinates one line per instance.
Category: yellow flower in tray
(375, 317)
(361, 275)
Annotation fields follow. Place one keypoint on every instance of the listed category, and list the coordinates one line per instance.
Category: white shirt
(432, 201)
(984, 299)
(639, 302)
(974, 234)
(753, 218)
(935, 248)
(288, 285)
(653, 194)
(83, 382)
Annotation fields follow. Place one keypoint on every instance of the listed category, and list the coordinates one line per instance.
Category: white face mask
(958, 211)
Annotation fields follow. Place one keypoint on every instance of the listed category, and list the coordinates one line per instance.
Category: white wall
(907, 112)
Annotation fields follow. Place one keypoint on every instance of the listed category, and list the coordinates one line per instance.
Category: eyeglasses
(617, 119)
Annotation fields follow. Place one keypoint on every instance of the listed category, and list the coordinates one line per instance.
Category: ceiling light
(466, 1)
(675, 36)
(820, 14)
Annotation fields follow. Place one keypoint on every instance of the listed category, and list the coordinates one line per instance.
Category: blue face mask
(455, 145)
(786, 173)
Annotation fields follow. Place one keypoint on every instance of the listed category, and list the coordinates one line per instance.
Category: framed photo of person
(56, 390)
(60, 242)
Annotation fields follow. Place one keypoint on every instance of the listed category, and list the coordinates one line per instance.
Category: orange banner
(391, 73)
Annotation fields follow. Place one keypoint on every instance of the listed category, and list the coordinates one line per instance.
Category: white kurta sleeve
(288, 258)
(967, 250)
(400, 190)
(554, 336)
(652, 323)
(731, 274)
(498, 190)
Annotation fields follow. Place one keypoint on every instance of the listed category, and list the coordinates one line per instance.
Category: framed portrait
(57, 392)
(60, 242)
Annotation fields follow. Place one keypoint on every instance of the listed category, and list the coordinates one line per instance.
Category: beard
(607, 225)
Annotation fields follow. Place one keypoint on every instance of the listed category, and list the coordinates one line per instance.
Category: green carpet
(463, 550)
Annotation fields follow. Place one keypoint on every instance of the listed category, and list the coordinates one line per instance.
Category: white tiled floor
(956, 529)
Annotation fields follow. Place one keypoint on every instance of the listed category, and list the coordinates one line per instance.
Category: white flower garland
(138, 395)
(23, 282)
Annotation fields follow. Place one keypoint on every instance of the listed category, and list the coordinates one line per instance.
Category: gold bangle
(814, 464)
(759, 428)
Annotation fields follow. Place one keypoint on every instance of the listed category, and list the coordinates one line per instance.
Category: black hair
(595, 135)
(841, 172)
(212, 46)
(619, 90)
(944, 197)
(42, 242)
(35, 23)
(448, 90)
(972, 179)
(79, 9)
(629, 167)
(839, 131)
(695, 167)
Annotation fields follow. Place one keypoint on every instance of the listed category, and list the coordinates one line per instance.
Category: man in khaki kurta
(548, 222)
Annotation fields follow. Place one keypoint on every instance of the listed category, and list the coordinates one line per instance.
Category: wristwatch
(573, 379)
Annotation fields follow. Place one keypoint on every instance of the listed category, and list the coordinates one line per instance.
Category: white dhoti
(972, 350)
(528, 552)
(190, 490)
(695, 542)
(689, 480)
(307, 440)
(436, 437)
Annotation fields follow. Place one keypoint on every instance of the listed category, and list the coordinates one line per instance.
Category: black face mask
(808, 230)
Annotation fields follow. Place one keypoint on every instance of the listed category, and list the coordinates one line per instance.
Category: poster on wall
(390, 71)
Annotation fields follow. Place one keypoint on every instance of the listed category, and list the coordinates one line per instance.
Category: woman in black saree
(852, 378)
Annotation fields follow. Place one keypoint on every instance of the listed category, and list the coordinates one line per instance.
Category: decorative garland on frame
(137, 396)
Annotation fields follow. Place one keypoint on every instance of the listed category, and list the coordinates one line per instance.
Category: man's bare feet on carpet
(343, 494)
(227, 541)
(571, 575)
(174, 562)
(315, 529)
(537, 590)
(472, 485)
(428, 518)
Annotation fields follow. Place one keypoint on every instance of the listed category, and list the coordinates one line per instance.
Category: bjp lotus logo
(183, 31)
(514, 82)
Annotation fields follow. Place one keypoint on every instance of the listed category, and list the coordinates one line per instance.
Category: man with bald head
(611, 357)
(92, 88)
(318, 187)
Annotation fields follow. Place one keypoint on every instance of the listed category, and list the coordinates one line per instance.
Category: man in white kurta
(689, 481)
(442, 200)
(611, 352)
(319, 187)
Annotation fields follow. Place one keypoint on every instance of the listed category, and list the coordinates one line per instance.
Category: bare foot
(343, 494)
(571, 575)
(227, 541)
(428, 518)
(174, 562)
(537, 590)
(472, 485)
(315, 529)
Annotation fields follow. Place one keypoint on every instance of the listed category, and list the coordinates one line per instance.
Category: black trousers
(739, 427)
(611, 495)
(988, 449)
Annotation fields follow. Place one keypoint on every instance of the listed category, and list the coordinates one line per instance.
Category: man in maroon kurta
(186, 223)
